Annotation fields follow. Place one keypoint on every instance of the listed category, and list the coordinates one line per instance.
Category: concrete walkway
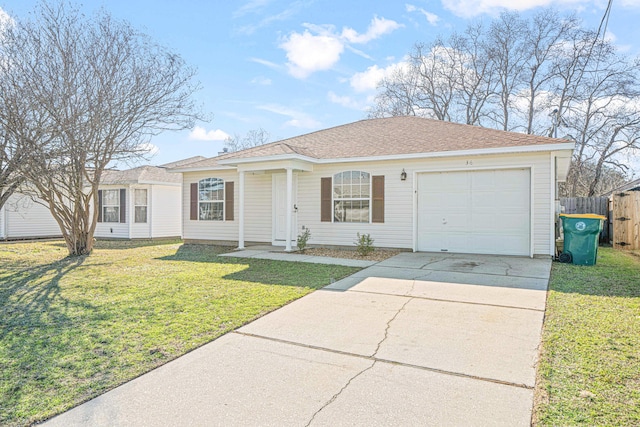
(418, 339)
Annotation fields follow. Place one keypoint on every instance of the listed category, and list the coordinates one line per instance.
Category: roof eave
(202, 169)
(229, 164)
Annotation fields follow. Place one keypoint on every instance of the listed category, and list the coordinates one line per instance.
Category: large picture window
(211, 199)
(351, 196)
(110, 205)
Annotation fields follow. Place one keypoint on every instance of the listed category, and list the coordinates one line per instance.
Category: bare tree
(253, 138)
(84, 92)
(544, 73)
(398, 94)
(11, 153)
(10, 158)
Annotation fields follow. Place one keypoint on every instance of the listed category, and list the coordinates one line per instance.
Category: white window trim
(136, 205)
(333, 199)
(222, 201)
(104, 206)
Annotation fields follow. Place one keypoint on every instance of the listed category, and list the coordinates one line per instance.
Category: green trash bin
(581, 233)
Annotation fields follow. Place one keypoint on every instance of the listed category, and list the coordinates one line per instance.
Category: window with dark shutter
(99, 205)
(228, 201)
(193, 216)
(377, 199)
(123, 205)
(325, 200)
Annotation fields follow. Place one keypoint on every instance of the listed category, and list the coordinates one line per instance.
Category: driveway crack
(386, 331)
(335, 396)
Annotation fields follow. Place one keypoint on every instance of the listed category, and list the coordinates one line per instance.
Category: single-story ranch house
(410, 182)
(141, 203)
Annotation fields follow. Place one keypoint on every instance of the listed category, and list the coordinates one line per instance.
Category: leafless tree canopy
(253, 138)
(79, 93)
(546, 76)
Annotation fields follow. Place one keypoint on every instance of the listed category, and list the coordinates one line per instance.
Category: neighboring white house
(410, 182)
(141, 203)
(22, 217)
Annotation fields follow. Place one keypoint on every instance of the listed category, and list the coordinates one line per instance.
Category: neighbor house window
(111, 206)
(351, 196)
(140, 205)
(211, 199)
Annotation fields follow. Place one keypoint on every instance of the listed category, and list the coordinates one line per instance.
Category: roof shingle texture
(140, 174)
(387, 137)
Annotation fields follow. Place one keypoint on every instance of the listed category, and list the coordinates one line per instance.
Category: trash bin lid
(592, 216)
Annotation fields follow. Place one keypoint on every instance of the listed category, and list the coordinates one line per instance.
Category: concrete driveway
(419, 339)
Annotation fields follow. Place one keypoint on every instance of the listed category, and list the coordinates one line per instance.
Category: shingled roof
(141, 174)
(391, 136)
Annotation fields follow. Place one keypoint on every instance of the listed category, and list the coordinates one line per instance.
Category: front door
(280, 209)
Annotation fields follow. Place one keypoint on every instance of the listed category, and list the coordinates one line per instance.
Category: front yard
(589, 371)
(73, 328)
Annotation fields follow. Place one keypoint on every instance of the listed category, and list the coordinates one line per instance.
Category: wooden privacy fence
(592, 205)
(626, 220)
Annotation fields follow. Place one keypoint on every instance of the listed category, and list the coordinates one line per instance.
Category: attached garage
(481, 211)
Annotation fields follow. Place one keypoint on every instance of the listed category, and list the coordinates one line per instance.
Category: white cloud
(253, 6)
(432, 18)
(346, 101)
(368, 79)
(201, 134)
(377, 28)
(319, 47)
(308, 53)
(298, 119)
(265, 63)
(262, 81)
(257, 6)
(470, 8)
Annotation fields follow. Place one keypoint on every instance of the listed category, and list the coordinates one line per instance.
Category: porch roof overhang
(274, 165)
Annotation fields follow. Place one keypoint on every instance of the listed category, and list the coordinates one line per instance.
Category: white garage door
(483, 212)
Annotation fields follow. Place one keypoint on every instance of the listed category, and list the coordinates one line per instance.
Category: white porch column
(289, 217)
(241, 211)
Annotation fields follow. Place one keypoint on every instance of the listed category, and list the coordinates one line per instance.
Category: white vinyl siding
(114, 230)
(24, 218)
(398, 229)
(211, 230)
(165, 211)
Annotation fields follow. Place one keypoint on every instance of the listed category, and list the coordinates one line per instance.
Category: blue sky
(292, 67)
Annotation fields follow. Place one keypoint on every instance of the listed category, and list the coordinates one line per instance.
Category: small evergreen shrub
(303, 238)
(364, 244)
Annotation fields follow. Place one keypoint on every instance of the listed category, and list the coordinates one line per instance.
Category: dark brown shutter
(228, 201)
(325, 199)
(99, 205)
(123, 205)
(377, 199)
(194, 202)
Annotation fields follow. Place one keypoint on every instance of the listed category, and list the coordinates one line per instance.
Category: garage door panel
(475, 211)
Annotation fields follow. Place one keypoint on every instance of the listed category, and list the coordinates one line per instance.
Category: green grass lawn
(589, 371)
(73, 328)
